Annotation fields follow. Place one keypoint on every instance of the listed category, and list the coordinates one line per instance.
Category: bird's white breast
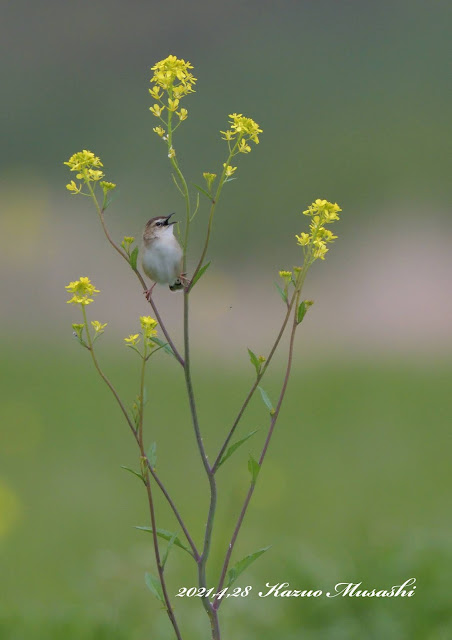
(161, 260)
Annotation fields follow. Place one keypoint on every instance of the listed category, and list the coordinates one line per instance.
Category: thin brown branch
(217, 602)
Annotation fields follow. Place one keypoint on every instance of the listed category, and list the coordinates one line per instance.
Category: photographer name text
(283, 590)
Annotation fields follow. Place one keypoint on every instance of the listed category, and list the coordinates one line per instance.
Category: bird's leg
(184, 280)
(148, 292)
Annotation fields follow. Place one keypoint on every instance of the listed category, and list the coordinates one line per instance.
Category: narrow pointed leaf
(196, 208)
(163, 345)
(154, 586)
(111, 199)
(253, 467)
(302, 308)
(152, 454)
(133, 258)
(167, 535)
(135, 473)
(243, 564)
(168, 549)
(200, 273)
(254, 361)
(234, 447)
(177, 184)
(281, 292)
(206, 193)
(268, 403)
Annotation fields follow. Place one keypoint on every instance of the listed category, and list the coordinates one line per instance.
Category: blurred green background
(354, 99)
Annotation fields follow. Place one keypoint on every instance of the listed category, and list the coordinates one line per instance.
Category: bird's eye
(158, 224)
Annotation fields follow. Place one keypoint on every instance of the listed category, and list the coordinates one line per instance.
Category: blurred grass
(355, 489)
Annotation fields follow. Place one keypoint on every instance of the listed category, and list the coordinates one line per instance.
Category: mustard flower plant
(172, 81)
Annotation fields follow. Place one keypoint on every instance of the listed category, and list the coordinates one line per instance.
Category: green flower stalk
(171, 83)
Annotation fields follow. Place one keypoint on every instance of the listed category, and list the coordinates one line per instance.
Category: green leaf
(253, 467)
(268, 403)
(254, 361)
(243, 564)
(234, 447)
(168, 549)
(152, 454)
(206, 193)
(164, 345)
(281, 292)
(301, 312)
(113, 197)
(303, 307)
(167, 535)
(133, 258)
(177, 185)
(154, 586)
(200, 273)
(138, 475)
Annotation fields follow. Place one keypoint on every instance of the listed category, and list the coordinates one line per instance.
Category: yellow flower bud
(107, 186)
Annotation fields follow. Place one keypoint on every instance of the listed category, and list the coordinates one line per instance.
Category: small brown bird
(162, 254)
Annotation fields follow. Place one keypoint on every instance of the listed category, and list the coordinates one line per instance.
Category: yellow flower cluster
(322, 212)
(172, 76)
(148, 326)
(126, 243)
(286, 276)
(327, 210)
(83, 159)
(107, 186)
(98, 327)
(78, 330)
(148, 331)
(170, 70)
(87, 165)
(82, 291)
(209, 178)
(242, 130)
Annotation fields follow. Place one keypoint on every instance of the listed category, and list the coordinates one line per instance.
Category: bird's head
(158, 227)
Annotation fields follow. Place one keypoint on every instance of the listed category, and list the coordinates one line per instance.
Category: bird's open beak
(167, 223)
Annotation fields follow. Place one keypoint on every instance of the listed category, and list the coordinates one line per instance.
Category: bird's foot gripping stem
(148, 292)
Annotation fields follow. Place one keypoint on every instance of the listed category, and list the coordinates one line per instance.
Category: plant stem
(201, 560)
(103, 376)
(298, 287)
(158, 562)
(135, 433)
(174, 509)
(210, 476)
(216, 602)
(159, 320)
(212, 211)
